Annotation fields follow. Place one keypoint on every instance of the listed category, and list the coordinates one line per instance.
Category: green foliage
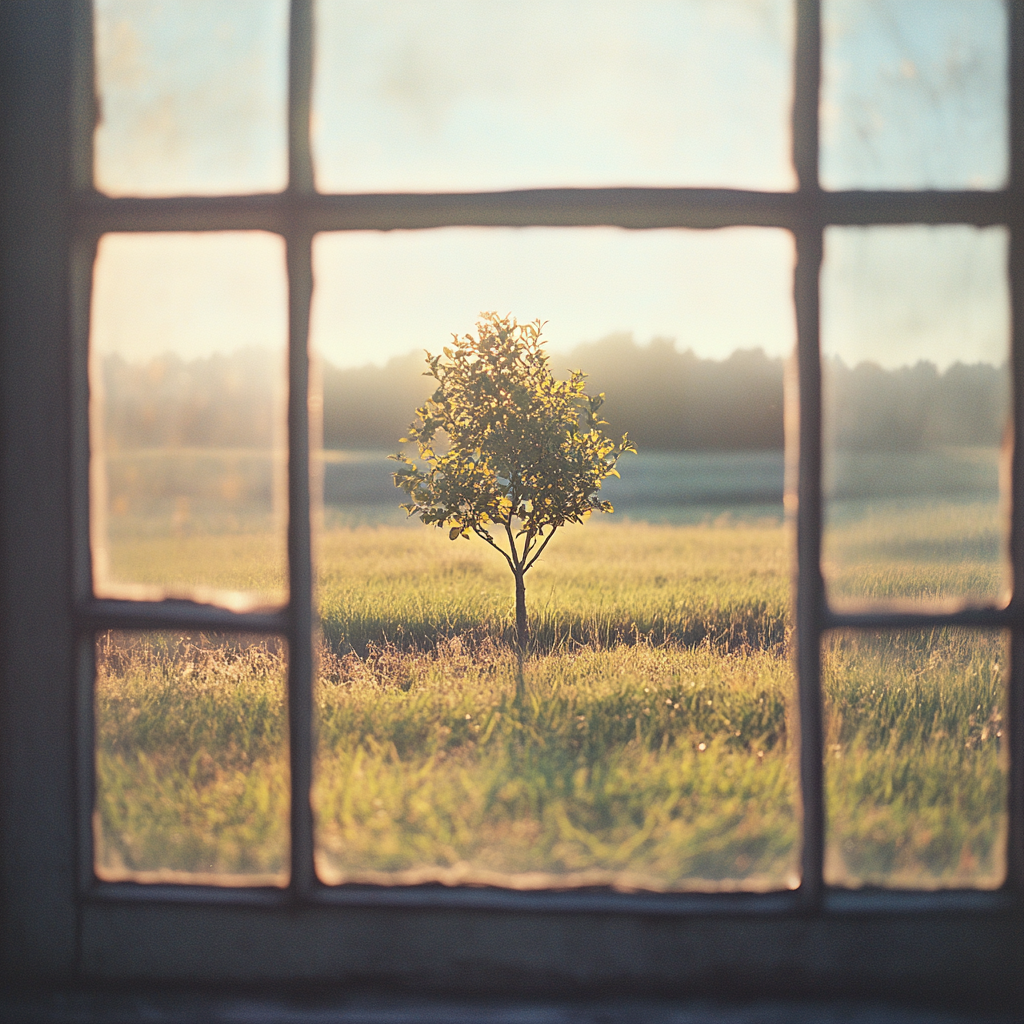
(504, 446)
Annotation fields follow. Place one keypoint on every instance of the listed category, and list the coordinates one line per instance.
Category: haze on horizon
(894, 296)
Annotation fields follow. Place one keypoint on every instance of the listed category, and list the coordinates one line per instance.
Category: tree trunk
(522, 630)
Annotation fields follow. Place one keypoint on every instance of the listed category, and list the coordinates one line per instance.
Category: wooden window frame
(59, 924)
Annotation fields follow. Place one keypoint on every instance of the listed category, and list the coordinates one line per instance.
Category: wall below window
(114, 1006)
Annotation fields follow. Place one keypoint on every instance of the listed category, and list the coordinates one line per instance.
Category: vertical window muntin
(299, 212)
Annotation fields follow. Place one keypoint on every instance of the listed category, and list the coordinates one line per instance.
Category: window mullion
(810, 589)
(82, 260)
(806, 89)
(810, 596)
(300, 83)
(300, 567)
(1015, 696)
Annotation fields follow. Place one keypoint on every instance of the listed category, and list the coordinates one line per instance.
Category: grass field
(645, 741)
(909, 550)
(914, 757)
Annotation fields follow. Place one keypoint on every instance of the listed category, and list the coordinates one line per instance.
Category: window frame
(58, 921)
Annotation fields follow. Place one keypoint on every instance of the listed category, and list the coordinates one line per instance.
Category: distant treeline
(915, 407)
(235, 401)
(675, 401)
(667, 400)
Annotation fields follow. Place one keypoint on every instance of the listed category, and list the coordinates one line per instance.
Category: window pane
(466, 95)
(191, 759)
(188, 417)
(192, 96)
(642, 742)
(914, 94)
(915, 758)
(916, 404)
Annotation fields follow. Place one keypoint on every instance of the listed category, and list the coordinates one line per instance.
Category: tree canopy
(506, 451)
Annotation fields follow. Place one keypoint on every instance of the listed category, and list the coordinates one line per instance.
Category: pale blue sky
(481, 94)
(192, 96)
(914, 94)
(464, 95)
(898, 295)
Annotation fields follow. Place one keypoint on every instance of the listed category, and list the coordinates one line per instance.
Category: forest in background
(667, 400)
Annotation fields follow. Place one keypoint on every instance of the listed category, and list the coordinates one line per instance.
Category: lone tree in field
(506, 454)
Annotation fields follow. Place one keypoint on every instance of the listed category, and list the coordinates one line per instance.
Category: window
(60, 922)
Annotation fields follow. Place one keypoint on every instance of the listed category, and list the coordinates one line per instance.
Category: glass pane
(191, 759)
(915, 758)
(914, 94)
(192, 96)
(916, 405)
(466, 95)
(642, 739)
(188, 379)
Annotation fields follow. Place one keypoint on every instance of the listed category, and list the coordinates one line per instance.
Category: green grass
(924, 550)
(253, 562)
(184, 519)
(192, 767)
(915, 757)
(600, 584)
(644, 741)
(634, 766)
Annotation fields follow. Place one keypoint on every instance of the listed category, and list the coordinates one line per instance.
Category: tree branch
(516, 563)
(531, 536)
(540, 550)
(484, 535)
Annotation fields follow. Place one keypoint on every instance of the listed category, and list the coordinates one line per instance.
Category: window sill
(102, 1005)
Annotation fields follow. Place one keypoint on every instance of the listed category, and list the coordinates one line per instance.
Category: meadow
(645, 741)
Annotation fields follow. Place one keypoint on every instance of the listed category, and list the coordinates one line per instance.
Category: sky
(189, 293)
(495, 94)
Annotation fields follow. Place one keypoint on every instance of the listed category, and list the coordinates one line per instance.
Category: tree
(505, 454)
